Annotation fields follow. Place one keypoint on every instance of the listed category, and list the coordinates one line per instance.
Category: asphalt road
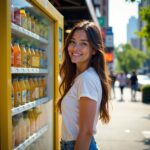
(129, 128)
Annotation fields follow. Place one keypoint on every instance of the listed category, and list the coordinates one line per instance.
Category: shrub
(146, 94)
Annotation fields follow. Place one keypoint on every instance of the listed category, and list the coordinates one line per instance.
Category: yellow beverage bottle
(22, 128)
(23, 18)
(27, 122)
(23, 91)
(28, 21)
(44, 86)
(29, 57)
(36, 115)
(17, 92)
(41, 88)
(28, 89)
(36, 88)
(37, 55)
(32, 121)
(32, 89)
(33, 60)
(16, 134)
(23, 56)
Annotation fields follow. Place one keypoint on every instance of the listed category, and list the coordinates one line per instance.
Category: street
(129, 127)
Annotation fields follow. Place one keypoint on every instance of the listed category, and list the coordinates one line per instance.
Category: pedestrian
(113, 79)
(122, 83)
(134, 85)
(84, 88)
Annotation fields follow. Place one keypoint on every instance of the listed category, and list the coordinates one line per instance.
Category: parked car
(143, 80)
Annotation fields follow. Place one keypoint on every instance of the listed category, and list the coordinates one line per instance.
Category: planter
(146, 94)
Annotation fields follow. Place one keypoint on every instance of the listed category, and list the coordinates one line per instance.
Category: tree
(129, 58)
(145, 31)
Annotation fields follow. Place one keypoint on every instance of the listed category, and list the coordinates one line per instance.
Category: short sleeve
(87, 88)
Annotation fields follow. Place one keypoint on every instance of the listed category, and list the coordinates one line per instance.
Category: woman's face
(79, 49)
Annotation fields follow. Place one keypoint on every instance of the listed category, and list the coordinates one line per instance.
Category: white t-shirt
(87, 84)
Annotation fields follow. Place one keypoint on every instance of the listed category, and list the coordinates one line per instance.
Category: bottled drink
(17, 55)
(23, 56)
(12, 55)
(23, 91)
(17, 92)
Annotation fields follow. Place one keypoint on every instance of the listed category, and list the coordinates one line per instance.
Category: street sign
(101, 21)
(109, 41)
(109, 31)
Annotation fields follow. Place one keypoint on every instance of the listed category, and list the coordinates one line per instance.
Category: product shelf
(28, 106)
(28, 34)
(32, 138)
(16, 70)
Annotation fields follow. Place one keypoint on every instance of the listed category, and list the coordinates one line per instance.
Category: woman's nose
(77, 46)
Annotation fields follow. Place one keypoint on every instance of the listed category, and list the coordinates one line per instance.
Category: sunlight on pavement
(146, 134)
(127, 131)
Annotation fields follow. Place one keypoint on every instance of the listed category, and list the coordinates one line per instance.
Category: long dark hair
(68, 69)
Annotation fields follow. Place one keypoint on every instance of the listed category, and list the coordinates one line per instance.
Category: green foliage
(129, 58)
(146, 89)
(145, 31)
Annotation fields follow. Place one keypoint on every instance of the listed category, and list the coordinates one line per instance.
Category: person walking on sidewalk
(134, 85)
(122, 83)
(84, 88)
(113, 79)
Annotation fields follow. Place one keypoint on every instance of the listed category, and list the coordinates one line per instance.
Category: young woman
(84, 88)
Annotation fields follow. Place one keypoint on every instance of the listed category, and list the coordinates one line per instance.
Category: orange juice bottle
(32, 121)
(16, 134)
(17, 92)
(21, 128)
(36, 88)
(23, 91)
(37, 55)
(23, 56)
(41, 88)
(27, 122)
(17, 55)
(28, 89)
(33, 60)
(12, 95)
(12, 55)
(32, 89)
(44, 86)
(36, 115)
(29, 57)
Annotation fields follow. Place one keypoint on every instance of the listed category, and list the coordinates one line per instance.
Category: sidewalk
(129, 128)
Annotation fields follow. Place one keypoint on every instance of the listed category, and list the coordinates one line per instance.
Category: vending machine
(31, 44)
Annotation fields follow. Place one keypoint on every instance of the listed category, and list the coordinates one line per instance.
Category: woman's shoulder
(89, 75)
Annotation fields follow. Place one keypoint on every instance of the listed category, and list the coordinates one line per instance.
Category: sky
(119, 13)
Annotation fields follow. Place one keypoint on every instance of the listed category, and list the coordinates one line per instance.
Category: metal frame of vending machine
(54, 54)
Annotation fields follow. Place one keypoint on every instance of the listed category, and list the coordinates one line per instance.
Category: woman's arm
(87, 111)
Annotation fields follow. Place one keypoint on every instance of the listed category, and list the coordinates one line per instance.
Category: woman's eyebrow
(85, 40)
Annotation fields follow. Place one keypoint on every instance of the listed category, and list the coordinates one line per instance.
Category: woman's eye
(83, 44)
(72, 42)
